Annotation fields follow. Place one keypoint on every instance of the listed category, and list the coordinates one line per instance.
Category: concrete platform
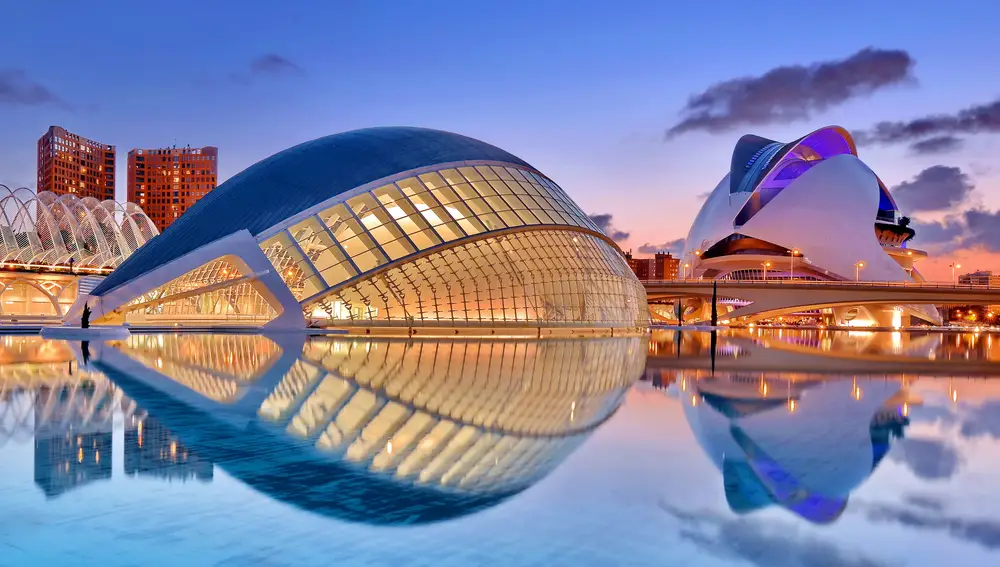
(97, 333)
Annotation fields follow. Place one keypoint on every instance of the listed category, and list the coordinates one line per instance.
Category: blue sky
(584, 94)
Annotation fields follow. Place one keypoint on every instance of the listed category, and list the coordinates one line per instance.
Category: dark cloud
(984, 532)
(703, 196)
(972, 228)
(982, 229)
(273, 64)
(18, 89)
(937, 188)
(937, 145)
(675, 247)
(976, 119)
(981, 169)
(267, 65)
(794, 92)
(604, 222)
(929, 459)
(762, 544)
(947, 233)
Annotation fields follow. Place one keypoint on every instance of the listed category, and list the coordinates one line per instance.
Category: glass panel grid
(414, 214)
(540, 277)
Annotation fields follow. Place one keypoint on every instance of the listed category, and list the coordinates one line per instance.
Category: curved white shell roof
(48, 229)
(715, 219)
(812, 194)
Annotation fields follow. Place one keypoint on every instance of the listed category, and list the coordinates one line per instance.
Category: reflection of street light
(953, 267)
(857, 271)
(766, 266)
(791, 263)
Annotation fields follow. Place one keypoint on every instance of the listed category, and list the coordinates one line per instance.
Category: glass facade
(216, 291)
(527, 276)
(551, 277)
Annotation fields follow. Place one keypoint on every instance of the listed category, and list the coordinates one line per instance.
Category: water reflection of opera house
(805, 438)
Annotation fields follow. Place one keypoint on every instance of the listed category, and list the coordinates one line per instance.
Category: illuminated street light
(766, 265)
(953, 266)
(791, 263)
(857, 271)
(686, 266)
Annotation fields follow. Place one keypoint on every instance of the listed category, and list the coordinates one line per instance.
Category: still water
(767, 448)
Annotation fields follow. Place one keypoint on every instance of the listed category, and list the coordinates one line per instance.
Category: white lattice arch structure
(48, 229)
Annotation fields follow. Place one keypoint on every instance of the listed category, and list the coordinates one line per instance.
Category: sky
(632, 107)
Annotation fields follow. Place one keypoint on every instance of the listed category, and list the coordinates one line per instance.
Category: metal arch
(51, 230)
(92, 208)
(64, 204)
(52, 299)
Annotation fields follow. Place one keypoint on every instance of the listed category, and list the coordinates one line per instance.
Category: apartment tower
(71, 164)
(165, 182)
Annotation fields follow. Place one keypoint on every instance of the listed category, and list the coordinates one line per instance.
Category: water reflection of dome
(380, 431)
(805, 452)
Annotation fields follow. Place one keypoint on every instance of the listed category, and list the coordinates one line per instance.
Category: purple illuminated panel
(809, 151)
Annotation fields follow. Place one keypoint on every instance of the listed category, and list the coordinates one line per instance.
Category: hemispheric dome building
(396, 227)
(808, 209)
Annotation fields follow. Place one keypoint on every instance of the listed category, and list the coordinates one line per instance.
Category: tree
(904, 221)
(85, 318)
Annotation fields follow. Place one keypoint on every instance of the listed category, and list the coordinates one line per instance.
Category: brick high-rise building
(71, 164)
(662, 266)
(166, 182)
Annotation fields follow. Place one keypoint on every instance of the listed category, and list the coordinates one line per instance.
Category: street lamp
(686, 266)
(791, 263)
(857, 271)
(766, 266)
(953, 267)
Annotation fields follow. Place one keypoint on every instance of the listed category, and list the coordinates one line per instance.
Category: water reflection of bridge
(828, 352)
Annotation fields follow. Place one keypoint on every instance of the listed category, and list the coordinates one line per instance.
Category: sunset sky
(588, 95)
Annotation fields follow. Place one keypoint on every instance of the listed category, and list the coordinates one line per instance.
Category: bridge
(773, 298)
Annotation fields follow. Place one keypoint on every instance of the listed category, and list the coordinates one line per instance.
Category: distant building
(166, 182)
(981, 277)
(662, 266)
(71, 164)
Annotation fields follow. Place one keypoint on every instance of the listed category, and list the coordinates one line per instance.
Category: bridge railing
(822, 283)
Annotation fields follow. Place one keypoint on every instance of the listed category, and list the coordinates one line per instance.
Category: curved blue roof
(296, 179)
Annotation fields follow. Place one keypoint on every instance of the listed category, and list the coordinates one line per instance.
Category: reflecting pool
(759, 447)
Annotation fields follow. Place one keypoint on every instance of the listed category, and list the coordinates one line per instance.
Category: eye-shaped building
(381, 227)
(808, 209)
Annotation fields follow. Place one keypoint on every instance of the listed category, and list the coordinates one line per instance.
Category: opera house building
(806, 210)
(379, 229)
